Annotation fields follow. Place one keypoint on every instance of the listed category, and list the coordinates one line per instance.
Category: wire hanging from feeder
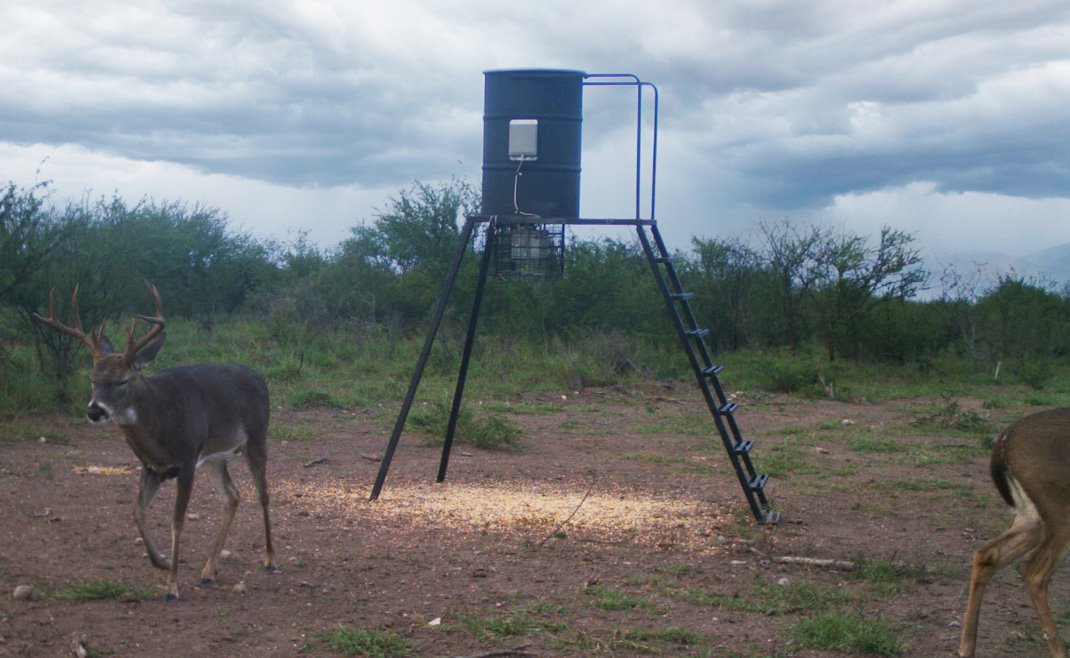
(516, 187)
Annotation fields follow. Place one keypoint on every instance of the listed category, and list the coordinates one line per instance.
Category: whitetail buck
(175, 420)
(1031, 469)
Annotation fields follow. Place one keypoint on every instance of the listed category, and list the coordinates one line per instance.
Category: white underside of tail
(1025, 511)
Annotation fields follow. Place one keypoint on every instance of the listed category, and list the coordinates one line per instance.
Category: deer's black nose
(96, 413)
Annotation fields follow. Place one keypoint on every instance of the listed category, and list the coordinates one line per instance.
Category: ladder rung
(682, 296)
(711, 371)
(742, 447)
(758, 483)
(727, 408)
(697, 333)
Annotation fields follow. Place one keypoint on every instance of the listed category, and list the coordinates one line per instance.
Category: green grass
(769, 598)
(682, 570)
(312, 398)
(317, 367)
(883, 578)
(926, 484)
(588, 426)
(677, 463)
(875, 445)
(480, 428)
(608, 599)
(828, 621)
(518, 623)
(672, 635)
(850, 632)
(372, 643)
(784, 461)
(290, 432)
(949, 417)
(684, 422)
(634, 642)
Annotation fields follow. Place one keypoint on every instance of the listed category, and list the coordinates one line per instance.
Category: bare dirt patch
(659, 557)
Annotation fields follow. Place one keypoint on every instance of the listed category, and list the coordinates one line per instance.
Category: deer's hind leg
(256, 457)
(1036, 573)
(231, 498)
(1024, 534)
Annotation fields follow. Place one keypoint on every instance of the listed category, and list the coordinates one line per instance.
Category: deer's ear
(104, 345)
(147, 353)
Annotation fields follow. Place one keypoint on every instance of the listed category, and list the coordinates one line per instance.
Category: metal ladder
(692, 337)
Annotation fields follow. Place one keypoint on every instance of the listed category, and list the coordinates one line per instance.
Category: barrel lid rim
(538, 71)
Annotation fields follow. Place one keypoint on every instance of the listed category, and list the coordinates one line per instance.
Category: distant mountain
(1055, 261)
(1051, 264)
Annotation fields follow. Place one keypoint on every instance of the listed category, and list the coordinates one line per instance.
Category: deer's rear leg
(148, 485)
(1016, 541)
(230, 506)
(256, 457)
(1036, 573)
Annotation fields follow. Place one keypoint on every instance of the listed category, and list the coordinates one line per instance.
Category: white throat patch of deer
(174, 421)
(1030, 462)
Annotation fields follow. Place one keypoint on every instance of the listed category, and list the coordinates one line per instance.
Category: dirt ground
(615, 494)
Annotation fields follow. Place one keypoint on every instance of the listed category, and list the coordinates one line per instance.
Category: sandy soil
(620, 492)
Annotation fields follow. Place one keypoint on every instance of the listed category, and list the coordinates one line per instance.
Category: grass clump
(831, 623)
(840, 631)
(612, 599)
(520, 623)
(351, 641)
(636, 642)
(673, 635)
(785, 375)
(482, 429)
(281, 431)
(952, 417)
(315, 398)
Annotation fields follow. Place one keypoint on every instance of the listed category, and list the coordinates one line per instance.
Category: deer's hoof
(271, 568)
(170, 597)
(208, 582)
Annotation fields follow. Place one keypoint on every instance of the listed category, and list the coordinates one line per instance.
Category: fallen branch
(316, 462)
(839, 565)
(565, 522)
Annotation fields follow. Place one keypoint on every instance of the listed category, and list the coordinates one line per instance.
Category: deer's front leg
(148, 485)
(182, 496)
(230, 505)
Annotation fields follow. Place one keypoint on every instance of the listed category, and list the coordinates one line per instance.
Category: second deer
(1031, 470)
(176, 420)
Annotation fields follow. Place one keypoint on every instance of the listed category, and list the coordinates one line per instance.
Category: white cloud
(264, 209)
(950, 222)
(307, 114)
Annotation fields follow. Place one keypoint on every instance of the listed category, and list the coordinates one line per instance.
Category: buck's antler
(157, 321)
(76, 331)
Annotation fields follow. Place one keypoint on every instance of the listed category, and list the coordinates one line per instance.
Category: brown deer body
(174, 421)
(1031, 469)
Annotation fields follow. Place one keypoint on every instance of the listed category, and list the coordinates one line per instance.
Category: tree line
(795, 288)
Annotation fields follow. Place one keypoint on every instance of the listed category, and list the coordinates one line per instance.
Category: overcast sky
(945, 118)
